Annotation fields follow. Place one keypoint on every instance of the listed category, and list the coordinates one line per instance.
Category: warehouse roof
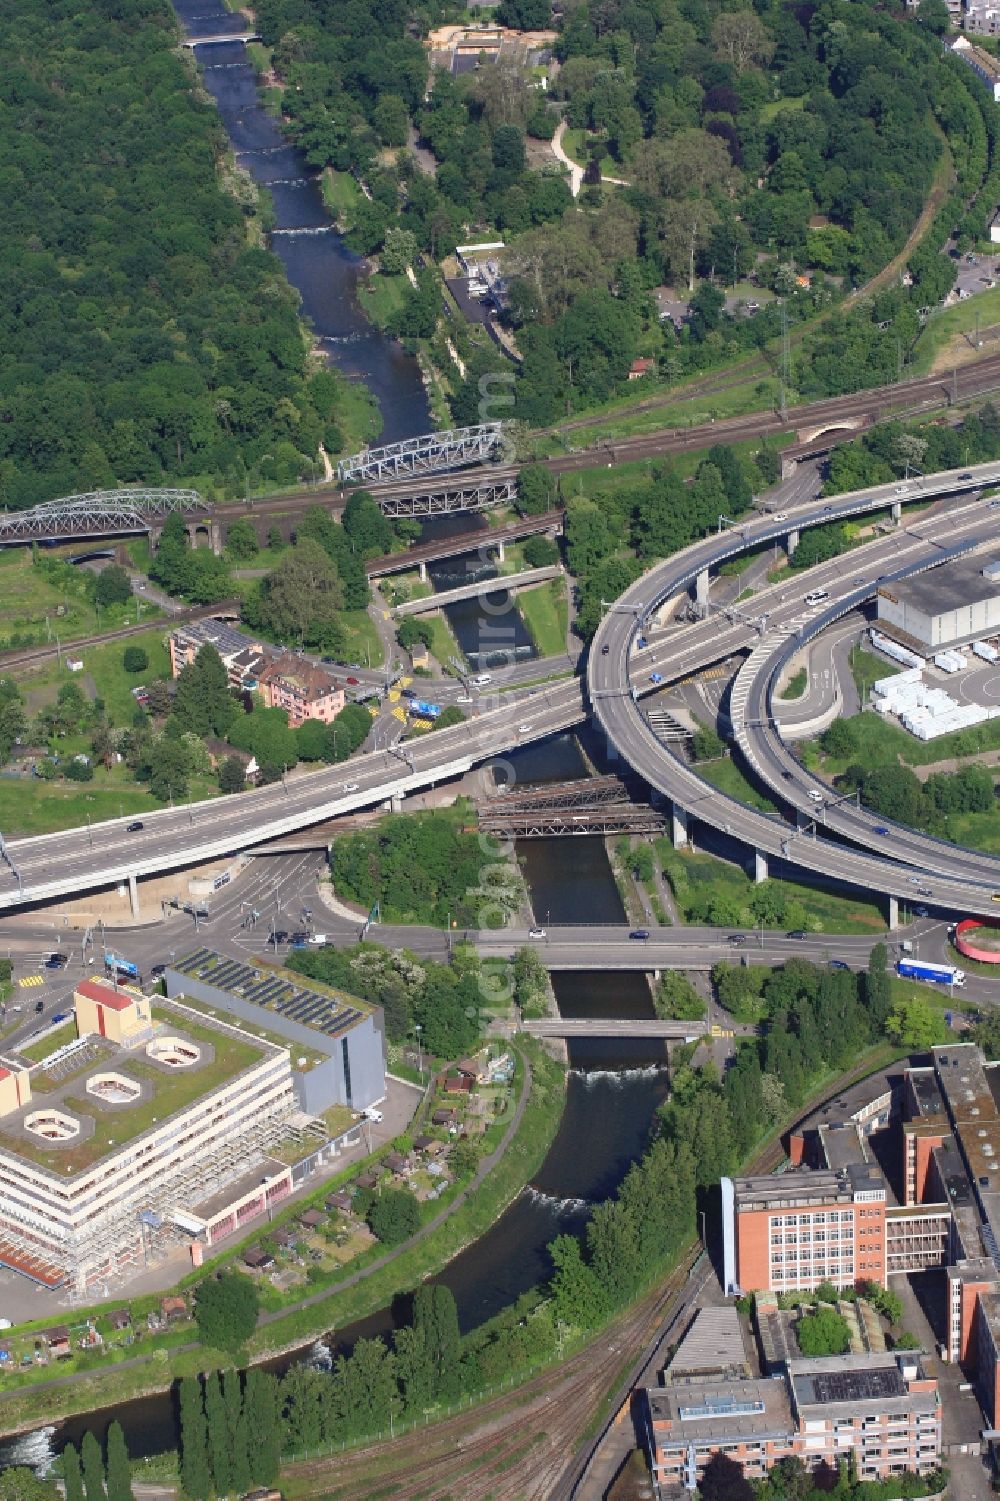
(949, 587)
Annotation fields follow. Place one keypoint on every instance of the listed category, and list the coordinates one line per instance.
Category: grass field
(877, 741)
(30, 599)
(364, 645)
(796, 685)
(867, 669)
(729, 778)
(945, 325)
(546, 615)
(341, 193)
(381, 296)
(776, 106)
(102, 665)
(443, 643)
(696, 878)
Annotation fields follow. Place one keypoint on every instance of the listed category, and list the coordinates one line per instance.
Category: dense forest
(144, 337)
(769, 143)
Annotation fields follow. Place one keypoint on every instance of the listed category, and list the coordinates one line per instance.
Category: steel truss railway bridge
(101, 513)
(432, 453)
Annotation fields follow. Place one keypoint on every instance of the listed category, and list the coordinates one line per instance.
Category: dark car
(56, 961)
(786, 776)
(605, 649)
(965, 476)
(795, 933)
(640, 933)
(838, 964)
(737, 940)
(157, 970)
(281, 936)
(880, 828)
(39, 1007)
(135, 827)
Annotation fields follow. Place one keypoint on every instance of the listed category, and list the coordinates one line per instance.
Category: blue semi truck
(934, 974)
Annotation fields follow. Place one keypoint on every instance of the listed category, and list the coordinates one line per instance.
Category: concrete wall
(981, 618)
(326, 1084)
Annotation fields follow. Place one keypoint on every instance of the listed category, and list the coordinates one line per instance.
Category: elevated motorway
(49, 866)
(959, 878)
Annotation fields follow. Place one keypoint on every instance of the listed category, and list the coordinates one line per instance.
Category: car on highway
(839, 964)
(524, 729)
(880, 828)
(827, 510)
(351, 787)
(913, 880)
(924, 891)
(536, 932)
(656, 678)
(640, 934)
(965, 476)
(56, 961)
(61, 1016)
(135, 827)
(815, 795)
(641, 642)
(786, 776)
(779, 516)
(796, 933)
(39, 1007)
(994, 505)
(300, 940)
(736, 940)
(280, 935)
(816, 596)
(605, 649)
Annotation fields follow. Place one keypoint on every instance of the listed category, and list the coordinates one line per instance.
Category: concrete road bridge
(615, 1026)
(495, 585)
(49, 866)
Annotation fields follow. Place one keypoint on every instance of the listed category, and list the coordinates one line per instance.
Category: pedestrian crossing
(26, 981)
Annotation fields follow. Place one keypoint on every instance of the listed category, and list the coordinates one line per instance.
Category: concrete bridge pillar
(396, 802)
(422, 572)
(215, 538)
(897, 509)
(788, 467)
(133, 895)
(501, 553)
(759, 866)
(679, 825)
(701, 588)
(893, 914)
(793, 541)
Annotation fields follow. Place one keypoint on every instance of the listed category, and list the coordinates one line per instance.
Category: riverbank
(499, 1178)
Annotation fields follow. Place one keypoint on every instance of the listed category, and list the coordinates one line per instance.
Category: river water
(613, 1086)
(315, 258)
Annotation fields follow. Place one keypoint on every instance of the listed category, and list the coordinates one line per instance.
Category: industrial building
(944, 607)
(761, 1405)
(172, 1121)
(338, 1041)
(834, 1216)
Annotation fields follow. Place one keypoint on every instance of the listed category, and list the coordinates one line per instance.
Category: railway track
(35, 655)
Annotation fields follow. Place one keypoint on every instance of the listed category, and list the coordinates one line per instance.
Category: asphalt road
(619, 671)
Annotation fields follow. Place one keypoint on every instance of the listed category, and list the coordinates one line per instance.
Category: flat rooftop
(720, 1411)
(842, 1145)
(864, 1383)
(104, 1124)
(860, 1101)
(307, 1002)
(952, 586)
(207, 1209)
(807, 1188)
(926, 1094)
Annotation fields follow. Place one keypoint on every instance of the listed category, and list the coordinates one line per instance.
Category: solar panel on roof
(858, 1386)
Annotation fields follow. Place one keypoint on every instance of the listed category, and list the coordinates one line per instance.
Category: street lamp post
(420, 1056)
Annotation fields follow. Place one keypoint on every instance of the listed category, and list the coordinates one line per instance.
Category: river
(613, 1087)
(315, 258)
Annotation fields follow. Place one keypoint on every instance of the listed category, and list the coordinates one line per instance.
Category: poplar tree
(262, 1412)
(218, 1436)
(119, 1469)
(196, 1479)
(71, 1473)
(236, 1424)
(93, 1469)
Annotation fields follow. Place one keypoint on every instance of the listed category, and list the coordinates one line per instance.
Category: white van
(371, 1114)
(817, 596)
(481, 680)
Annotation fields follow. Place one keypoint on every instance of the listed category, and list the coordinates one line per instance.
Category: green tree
(196, 1476)
(540, 552)
(219, 1452)
(913, 1023)
(823, 1332)
(232, 775)
(93, 1469)
(203, 703)
(263, 1428)
(435, 1320)
(369, 532)
(112, 586)
(676, 999)
(581, 1301)
(225, 1310)
(393, 1217)
(537, 490)
(410, 630)
(398, 251)
(302, 597)
(706, 745)
(135, 659)
(72, 1475)
(21, 1484)
(237, 1430)
(119, 1470)
(241, 540)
